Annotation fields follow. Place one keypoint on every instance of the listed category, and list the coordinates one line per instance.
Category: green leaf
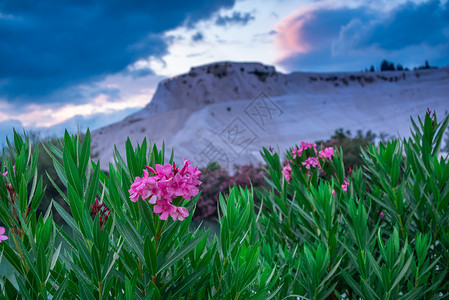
(181, 253)
(85, 153)
(131, 159)
(404, 270)
(93, 186)
(150, 256)
(132, 237)
(23, 195)
(129, 289)
(186, 284)
(60, 291)
(13, 258)
(67, 218)
(71, 171)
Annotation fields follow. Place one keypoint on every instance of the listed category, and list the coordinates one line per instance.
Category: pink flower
(311, 161)
(382, 215)
(297, 152)
(168, 183)
(2, 236)
(345, 184)
(327, 153)
(140, 188)
(287, 171)
(164, 208)
(179, 213)
(333, 192)
(304, 146)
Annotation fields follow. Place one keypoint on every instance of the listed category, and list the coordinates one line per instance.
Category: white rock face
(227, 111)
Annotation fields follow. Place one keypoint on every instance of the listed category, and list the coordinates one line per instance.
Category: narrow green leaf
(179, 254)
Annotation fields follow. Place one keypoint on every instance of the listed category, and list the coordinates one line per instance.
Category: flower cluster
(297, 152)
(167, 183)
(311, 162)
(311, 158)
(287, 171)
(326, 153)
(102, 209)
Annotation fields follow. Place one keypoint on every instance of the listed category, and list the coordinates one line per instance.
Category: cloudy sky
(69, 63)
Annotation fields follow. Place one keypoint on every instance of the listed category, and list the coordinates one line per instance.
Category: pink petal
(134, 197)
(174, 214)
(164, 216)
(153, 199)
(157, 209)
(2, 230)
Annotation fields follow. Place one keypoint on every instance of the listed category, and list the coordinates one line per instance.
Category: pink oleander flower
(311, 161)
(139, 187)
(345, 184)
(167, 183)
(164, 208)
(3, 237)
(306, 146)
(327, 153)
(179, 213)
(287, 171)
(297, 152)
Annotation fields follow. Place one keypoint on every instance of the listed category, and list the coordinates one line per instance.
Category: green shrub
(381, 234)
(318, 232)
(116, 248)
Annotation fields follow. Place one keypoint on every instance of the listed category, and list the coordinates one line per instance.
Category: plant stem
(100, 285)
(20, 251)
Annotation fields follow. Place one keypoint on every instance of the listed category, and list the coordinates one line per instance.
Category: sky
(77, 64)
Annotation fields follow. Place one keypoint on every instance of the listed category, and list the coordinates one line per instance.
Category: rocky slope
(227, 111)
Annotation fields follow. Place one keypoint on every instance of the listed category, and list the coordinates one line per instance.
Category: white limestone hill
(227, 111)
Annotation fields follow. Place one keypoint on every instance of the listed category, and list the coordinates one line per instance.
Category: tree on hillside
(387, 66)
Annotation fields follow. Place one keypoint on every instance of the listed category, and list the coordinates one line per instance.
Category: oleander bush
(381, 232)
(317, 231)
(128, 233)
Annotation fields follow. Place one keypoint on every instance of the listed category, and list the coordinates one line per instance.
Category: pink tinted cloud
(289, 39)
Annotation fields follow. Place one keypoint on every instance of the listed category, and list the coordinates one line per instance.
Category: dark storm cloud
(408, 25)
(348, 39)
(51, 45)
(237, 18)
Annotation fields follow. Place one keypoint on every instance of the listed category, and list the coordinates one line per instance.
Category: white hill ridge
(227, 111)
